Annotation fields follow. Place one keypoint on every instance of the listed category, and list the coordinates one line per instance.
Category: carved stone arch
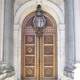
(47, 6)
(57, 14)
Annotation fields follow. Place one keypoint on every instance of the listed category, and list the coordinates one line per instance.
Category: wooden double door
(39, 54)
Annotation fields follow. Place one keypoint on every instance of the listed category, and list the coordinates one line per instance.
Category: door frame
(50, 21)
(57, 14)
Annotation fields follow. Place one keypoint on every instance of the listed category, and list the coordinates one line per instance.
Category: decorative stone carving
(6, 68)
(6, 71)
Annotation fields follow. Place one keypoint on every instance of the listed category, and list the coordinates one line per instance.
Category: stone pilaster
(1, 28)
(70, 38)
(8, 31)
(77, 28)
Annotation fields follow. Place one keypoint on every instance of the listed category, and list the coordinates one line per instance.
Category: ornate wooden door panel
(29, 54)
(50, 54)
(39, 55)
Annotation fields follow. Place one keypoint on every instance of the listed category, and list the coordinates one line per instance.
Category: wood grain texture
(39, 57)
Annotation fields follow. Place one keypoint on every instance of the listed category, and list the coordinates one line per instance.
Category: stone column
(8, 31)
(1, 28)
(77, 28)
(69, 37)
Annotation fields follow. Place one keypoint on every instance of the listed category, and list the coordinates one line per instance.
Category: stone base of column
(6, 71)
(68, 72)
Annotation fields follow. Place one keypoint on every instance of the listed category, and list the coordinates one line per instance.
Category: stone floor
(7, 76)
(13, 78)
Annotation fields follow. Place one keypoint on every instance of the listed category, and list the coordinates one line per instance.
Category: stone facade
(12, 14)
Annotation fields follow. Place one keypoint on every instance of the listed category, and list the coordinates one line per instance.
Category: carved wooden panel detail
(48, 72)
(29, 50)
(29, 39)
(48, 60)
(29, 61)
(48, 39)
(29, 72)
(39, 60)
(48, 50)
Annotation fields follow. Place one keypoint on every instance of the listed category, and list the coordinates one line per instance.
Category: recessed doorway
(39, 55)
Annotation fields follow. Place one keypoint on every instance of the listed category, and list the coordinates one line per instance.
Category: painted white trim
(61, 49)
(57, 14)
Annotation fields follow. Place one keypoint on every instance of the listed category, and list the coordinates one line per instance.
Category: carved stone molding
(6, 71)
